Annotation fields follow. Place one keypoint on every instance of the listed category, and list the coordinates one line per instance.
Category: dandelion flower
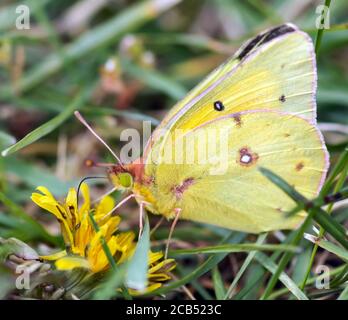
(83, 243)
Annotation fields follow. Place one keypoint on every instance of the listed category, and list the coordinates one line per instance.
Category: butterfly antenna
(84, 122)
(83, 180)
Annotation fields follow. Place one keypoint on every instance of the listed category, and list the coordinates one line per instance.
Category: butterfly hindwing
(241, 198)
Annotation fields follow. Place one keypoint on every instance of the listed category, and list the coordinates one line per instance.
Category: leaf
(282, 184)
(113, 281)
(218, 284)
(284, 278)
(329, 246)
(155, 80)
(100, 36)
(20, 221)
(35, 175)
(344, 294)
(128, 114)
(50, 125)
(228, 248)
(18, 248)
(320, 216)
(242, 269)
(207, 265)
(136, 277)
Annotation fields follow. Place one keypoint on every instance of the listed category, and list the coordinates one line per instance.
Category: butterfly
(263, 100)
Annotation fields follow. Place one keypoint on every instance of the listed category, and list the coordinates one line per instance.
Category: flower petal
(68, 263)
(54, 256)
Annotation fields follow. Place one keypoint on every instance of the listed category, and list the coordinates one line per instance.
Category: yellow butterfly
(263, 100)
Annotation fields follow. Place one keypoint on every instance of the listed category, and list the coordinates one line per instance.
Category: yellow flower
(83, 244)
(79, 235)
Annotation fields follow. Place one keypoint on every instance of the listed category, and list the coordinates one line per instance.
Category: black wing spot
(278, 31)
(219, 106)
(265, 37)
(282, 98)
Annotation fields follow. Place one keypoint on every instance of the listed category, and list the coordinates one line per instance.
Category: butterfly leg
(177, 215)
(118, 205)
(141, 218)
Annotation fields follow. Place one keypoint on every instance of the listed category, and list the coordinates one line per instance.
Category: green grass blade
(321, 30)
(320, 216)
(155, 80)
(245, 265)
(99, 37)
(113, 281)
(328, 246)
(282, 184)
(207, 265)
(137, 273)
(128, 114)
(283, 277)
(344, 294)
(229, 248)
(219, 287)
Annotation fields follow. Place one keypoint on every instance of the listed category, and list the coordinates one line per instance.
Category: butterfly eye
(218, 106)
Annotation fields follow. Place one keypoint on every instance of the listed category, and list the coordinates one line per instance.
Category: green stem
(261, 238)
(315, 248)
(311, 280)
(321, 30)
(287, 256)
(338, 186)
(108, 254)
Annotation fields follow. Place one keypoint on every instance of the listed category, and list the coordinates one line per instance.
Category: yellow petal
(71, 206)
(86, 207)
(158, 277)
(165, 265)
(54, 256)
(110, 226)
(155, 256)
(45, 191)
(98, 260)
(149, 288)
(68, 263)
(104, 207)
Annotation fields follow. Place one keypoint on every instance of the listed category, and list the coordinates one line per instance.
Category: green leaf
(155, 80)
(128, 114)
(139, 264)
(320, 216)
(245, 265)
(113, 281)
(98, 37)
(228, 248)
(204, 267)
(344, 294)
(34, 175)
(218, 284)
(282, 184)
(17, 248)
(330, 225)
(284, 278)
(22, 221)
(50, 125)
(329, 246)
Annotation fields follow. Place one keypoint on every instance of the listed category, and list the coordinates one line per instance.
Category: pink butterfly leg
(177, 215)
(141, 218)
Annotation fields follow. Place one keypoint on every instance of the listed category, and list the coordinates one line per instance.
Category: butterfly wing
(276, 70)
(239, 197)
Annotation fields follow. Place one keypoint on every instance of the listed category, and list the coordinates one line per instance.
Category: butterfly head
(121, 178)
